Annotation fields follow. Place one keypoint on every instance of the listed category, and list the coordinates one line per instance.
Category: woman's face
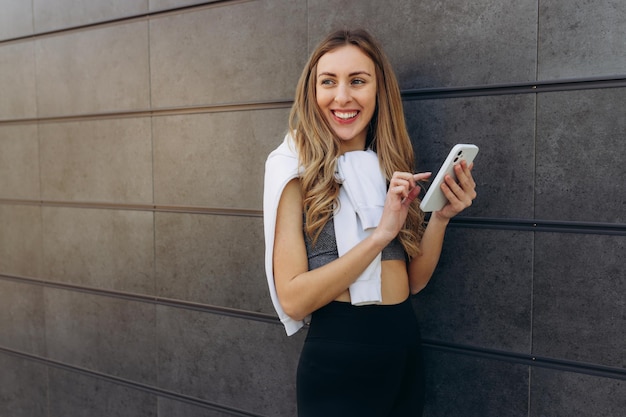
(346, 94)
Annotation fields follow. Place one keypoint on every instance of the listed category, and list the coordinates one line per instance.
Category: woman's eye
(327, 82)
(358, 81)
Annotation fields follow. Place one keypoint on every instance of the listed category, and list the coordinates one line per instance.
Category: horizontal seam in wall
(123, 20)
(528, 359)
(511, 357)
(143, 298)
(408, 95)
(160, 392)
(524, 225)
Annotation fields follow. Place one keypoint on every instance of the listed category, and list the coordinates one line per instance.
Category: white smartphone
(435, 200)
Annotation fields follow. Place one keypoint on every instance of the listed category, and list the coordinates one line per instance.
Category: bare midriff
(395, 283)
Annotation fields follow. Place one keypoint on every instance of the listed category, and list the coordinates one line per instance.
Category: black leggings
(361, 361)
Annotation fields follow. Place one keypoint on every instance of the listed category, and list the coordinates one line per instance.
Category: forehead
(345, 59)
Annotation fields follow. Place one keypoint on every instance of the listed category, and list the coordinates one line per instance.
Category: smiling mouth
(345, 115)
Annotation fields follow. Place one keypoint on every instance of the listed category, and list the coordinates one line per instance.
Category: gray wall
(132, 142)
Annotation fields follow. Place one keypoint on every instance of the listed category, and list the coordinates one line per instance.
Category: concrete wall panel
(578, 307)
(20, 240)
(107, 335)
(237, 363)
(480, 294)
(459, 385)
(73, 394)
(16, 18)
(215, 160)
(100, 248)
(59, 14)
(556, 393)
(17, 81)
(502, 127)
(191, 65)
(23, 387)
(19, 157)
(580, 148)
(103, 160)
(22, 321)
(212, 259)
(158, 5)
(581, 38)
(441, 43)
(99, 70)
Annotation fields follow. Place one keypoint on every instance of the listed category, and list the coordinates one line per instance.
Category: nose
(343, 95)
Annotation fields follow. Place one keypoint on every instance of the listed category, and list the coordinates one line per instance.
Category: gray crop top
(325, 249)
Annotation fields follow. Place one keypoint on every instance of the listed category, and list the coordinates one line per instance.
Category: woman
(345, 242)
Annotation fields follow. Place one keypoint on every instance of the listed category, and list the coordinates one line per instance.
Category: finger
(411, 196)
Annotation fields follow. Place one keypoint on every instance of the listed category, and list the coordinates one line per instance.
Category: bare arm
(302, 291)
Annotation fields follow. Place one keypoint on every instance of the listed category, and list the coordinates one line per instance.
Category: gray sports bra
(325, 249)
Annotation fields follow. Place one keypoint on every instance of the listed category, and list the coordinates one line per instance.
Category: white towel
(361, 201)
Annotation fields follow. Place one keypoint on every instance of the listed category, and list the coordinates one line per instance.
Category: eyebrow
(352, 74)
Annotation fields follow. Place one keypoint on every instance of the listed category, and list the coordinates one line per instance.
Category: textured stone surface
(19, 156)
(215, 160)
(257, 60)
(581, 38)
(481, 292)
(579, 309)
(502, 127)
(459, 385)
(580, 163)
(20, 240)
(23, 387)
(433, 44)
(22, 321)
(17, 81)
(107, 335)
(99, 70)
(233, 362)
(104, 160)
(16, 18)
(214, 260)
(100, 248)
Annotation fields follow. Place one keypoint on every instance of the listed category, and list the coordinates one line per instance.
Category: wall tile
(432, 43)
(503, 128)
(480, 293)
(580, 148)
(171, 408)
(555, 394)
(99, 70)
(100, 248)
(581, 38)
(579, 305)
(232, 362)
(215, 160)
(19, 162)
(23, 386)
(257, 59)
(17, 81)
(20, 240)
(215, 260)
(73, 394)
(60, 14)
(157, 5)
(16, 18)
(458, 385)
(104, 160)
(107, 335)
(22, 318)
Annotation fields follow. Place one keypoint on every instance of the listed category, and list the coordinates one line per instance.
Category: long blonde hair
(318, 147)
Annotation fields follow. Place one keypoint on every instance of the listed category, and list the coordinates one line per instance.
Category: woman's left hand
(460, 193)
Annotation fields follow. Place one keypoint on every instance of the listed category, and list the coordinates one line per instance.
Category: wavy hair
(318, 147)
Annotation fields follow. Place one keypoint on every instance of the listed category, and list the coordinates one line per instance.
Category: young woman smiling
(345, 241)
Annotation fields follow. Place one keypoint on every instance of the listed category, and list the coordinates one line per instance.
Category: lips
(345, 116)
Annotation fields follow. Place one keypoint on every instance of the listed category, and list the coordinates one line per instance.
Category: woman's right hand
(403, 189)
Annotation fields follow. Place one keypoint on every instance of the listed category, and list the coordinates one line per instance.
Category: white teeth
(345, 115)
